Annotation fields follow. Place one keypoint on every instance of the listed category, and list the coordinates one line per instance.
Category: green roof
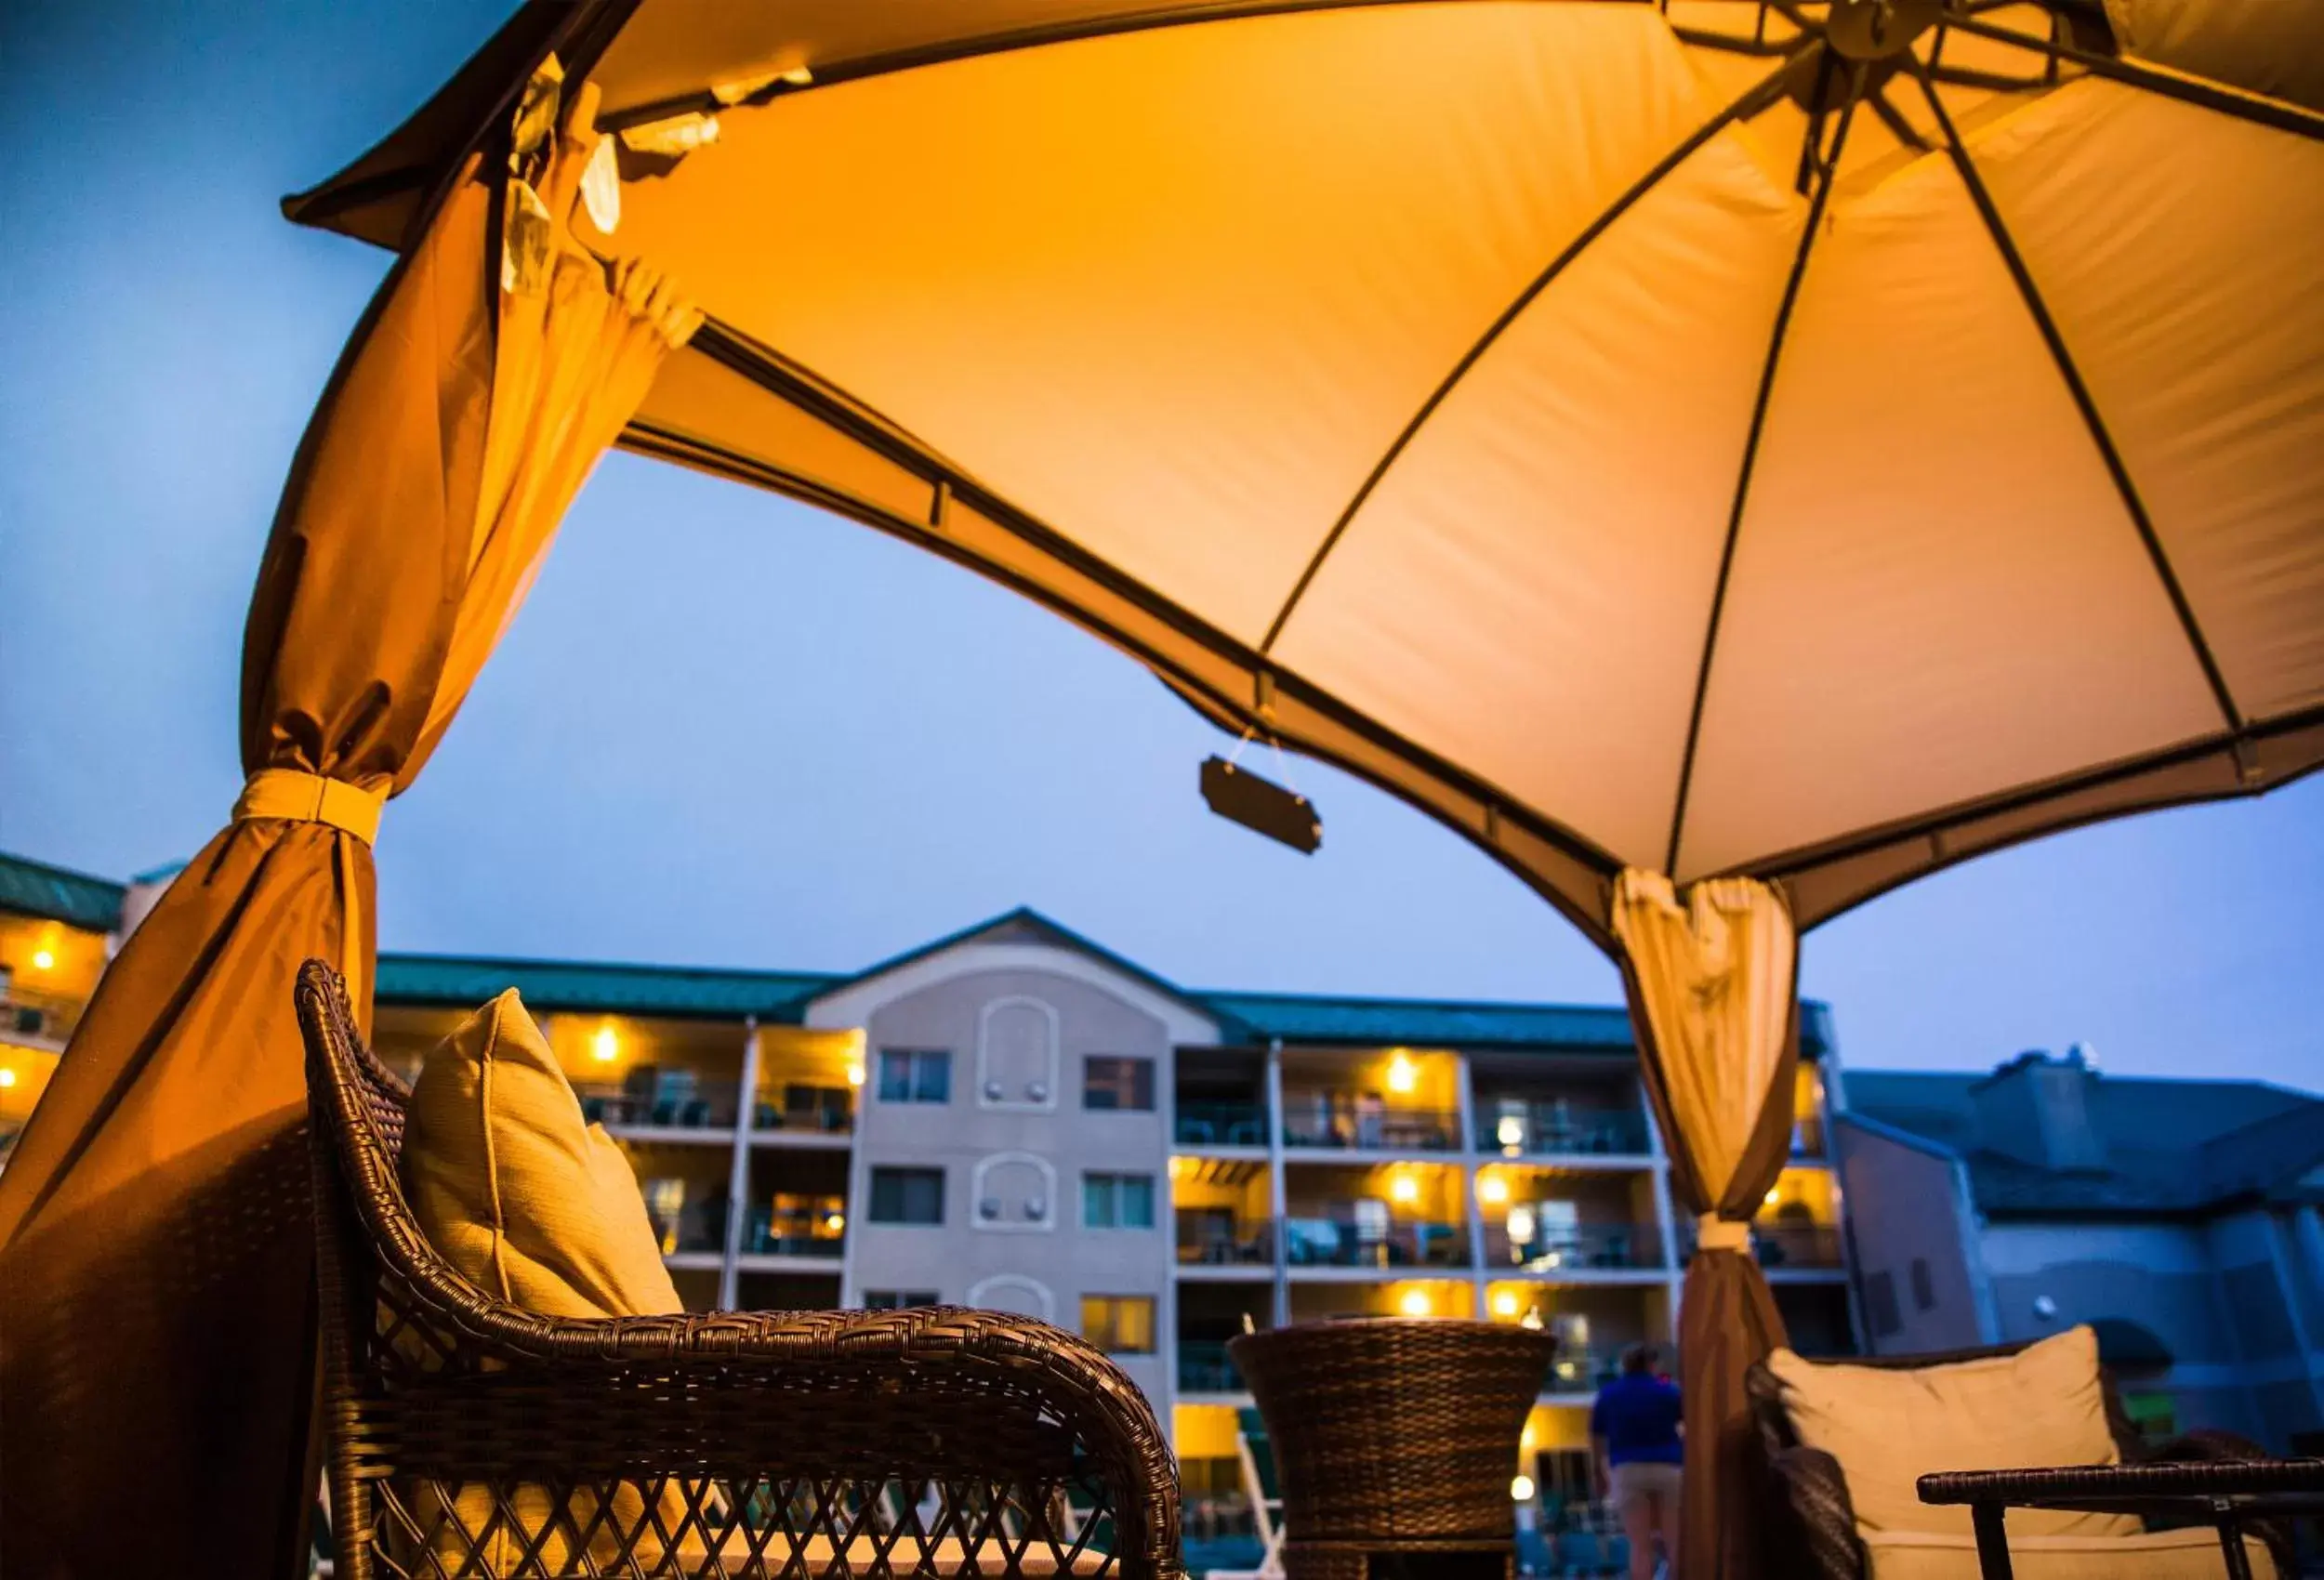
(679, 991)
(35, 888)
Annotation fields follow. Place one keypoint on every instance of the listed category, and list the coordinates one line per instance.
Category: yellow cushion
(2043, 1405)
(515, 1189)
(531, 1202)
(2191, 1554)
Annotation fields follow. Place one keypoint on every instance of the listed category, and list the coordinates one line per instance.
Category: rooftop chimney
(2036, 1109)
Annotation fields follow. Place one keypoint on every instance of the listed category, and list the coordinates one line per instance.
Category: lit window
(1119, 1325)
(914, 1074)
(1117, 1201)
(1111, 1082)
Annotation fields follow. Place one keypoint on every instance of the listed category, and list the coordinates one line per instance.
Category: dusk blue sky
(727, 729)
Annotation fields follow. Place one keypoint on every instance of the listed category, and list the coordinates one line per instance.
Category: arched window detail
(1017, 1054)
(1016, 1293)
(1013, 1192)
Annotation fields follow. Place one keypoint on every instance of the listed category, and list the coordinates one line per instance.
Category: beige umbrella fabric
(1814, 442)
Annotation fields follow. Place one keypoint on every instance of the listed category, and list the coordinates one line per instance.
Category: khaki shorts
(1642, 1478)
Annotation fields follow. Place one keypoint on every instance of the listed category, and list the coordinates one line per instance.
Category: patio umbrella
(1726, 458)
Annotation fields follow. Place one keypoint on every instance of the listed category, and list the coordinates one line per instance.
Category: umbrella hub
(1875, 30)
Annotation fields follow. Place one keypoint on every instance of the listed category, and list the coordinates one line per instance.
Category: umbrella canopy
(1816, 443)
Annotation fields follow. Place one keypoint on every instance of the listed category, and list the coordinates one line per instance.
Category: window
(1119, 1325)
(1880, 1305)
(914, 1074)
(1117, 1201)
(897, 1300)
(1923, 1286)
(1109, 1082)
(908, 1195)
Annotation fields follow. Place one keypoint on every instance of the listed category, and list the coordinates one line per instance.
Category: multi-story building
(2180, 1219)
(1015, 1117)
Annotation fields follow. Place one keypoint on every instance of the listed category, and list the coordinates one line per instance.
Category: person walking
(1636, 1453)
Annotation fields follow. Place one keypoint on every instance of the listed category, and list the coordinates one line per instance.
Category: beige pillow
(515, 1189)
(532, 1203)
(2043, 1405)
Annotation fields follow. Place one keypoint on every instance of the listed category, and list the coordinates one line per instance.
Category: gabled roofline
(1025, 916)
(1925, 1145)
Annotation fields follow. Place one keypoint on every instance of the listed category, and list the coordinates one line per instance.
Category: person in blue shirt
(1636, 1453)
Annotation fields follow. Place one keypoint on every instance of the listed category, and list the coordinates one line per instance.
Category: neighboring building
(1015, 1117)
(56, 934)
(2179, 1218)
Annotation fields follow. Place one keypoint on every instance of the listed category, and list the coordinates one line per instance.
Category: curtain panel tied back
(157, 1315)
(1712, 984)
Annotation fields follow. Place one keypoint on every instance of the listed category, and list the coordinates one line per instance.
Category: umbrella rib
(2199, 91)
(1750, 454)
(1756, 99)
(2085, 402)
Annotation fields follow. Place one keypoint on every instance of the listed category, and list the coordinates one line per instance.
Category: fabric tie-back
(156, 1288)
(1713, 984)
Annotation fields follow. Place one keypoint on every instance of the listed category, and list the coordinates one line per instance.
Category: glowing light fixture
(44, 960)
(854, 1071)
(8, 1077)
(1505, 1305)
(605, 1046)
(1521, 1223)
(1402, 1074)
(1511, 1133)
(1414, 1303)
(1404, 1188)
(1526, 1438)
(1521, 1489)
(1772, 1196)
(835, 1222)
(1492, 1189)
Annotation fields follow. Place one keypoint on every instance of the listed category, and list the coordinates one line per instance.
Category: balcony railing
(1796, 1245)
(1582, 1247)
(695, 1227)
(649, 1099)
(1338, 1242)
(1377, 1130)
(1206, 1240)
(1222, 1123)
(789, 1234)
(44, 1018)
(1581, 1371)
(1203, 1367)
(1561, 1128)
(814, 1111)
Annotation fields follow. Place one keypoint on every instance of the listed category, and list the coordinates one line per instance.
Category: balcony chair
(1811, 1529)
(467, 1436)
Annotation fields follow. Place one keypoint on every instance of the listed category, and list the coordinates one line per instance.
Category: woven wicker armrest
(1814, 1522)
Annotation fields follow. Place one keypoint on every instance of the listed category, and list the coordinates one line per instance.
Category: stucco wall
(1903, 1209)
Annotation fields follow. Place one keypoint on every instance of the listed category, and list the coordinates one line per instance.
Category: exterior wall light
(605, 1046)
(1402, 1074)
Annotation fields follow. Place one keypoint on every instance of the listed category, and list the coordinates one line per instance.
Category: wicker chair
(1811, 1526)
(469, 1438)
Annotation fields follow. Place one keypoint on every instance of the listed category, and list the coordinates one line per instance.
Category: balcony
(1341, 1242)
(1203, 1367)
(685, 1227)
(1560, 1129)
(805, 1110)
(1222, 1123)
(768, 1234)
(652, 1097)
(37, 1019)
(1207, 1238)
(1575, 1248)
(1357, 1128)
(1805, 1245)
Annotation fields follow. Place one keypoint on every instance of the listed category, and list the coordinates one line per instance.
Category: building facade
(2181, 1218)
(1015, 1117)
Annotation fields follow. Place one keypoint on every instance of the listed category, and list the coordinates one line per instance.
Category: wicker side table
(1395, 1440)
